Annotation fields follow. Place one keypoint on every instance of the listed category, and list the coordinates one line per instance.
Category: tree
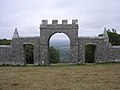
(114, 37)
(54, 56)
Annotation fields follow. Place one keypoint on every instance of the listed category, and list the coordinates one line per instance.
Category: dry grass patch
(61, 77)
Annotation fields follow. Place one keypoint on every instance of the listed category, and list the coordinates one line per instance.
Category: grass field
(61, 77)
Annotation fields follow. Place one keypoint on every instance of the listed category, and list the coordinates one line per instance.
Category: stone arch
(47, 30)
(59, 32)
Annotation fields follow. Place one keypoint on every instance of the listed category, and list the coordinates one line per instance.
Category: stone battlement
(45, 22)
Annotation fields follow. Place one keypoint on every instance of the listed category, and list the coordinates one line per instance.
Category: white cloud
(93, 15)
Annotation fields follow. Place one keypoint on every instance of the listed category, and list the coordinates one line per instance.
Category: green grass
(61, 77)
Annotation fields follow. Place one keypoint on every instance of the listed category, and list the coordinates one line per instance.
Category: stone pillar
(74, 53)
(81, 53)
(64, 21)
(44, 54)
(54, 21)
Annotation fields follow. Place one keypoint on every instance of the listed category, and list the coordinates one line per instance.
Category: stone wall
(18, 52)
(114, 53)
(5, 54)
(101, 51)
(104, 52)
(14, 54)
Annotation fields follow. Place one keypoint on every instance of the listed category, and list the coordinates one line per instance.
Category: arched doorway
(59, 48)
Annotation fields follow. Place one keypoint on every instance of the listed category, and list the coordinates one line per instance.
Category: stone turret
(105, 35)
(15, 35)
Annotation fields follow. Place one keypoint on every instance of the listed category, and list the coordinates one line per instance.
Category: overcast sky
(26, 15)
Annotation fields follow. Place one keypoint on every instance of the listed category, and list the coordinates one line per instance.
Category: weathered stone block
(54, 21)
(74, 21)
(64, 21)
(44, 22)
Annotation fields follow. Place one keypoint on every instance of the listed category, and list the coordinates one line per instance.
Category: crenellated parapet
(45, 22)
(55, 24)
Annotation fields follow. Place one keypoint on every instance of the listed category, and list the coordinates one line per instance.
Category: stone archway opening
(60, 43)
(90, 53)
(28, 53)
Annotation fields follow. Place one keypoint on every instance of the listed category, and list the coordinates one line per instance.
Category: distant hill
(59, 43)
